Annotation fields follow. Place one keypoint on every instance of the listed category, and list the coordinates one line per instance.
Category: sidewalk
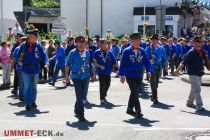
(205, 78)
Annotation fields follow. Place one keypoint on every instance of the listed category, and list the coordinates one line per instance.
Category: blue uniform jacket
(116, 51)
(76, 62)
(132, 65)
(31, 59)
(60, 57)
(207, 49)
(15, 53)
(143, 45)
(178, 50)
(106, 59)
(157, 57)
(167, 49)
(186, 49)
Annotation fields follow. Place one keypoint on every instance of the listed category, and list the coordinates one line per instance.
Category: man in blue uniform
(28, 57)
(18, 43)
(167, 51)
(104, 60)
(18, 68)
(132, 64)
(172, 54)
(194, 60)
(70, 45)
(116, 52)
(179, 52)
(158, 59)
(59, 60)
(80, 67)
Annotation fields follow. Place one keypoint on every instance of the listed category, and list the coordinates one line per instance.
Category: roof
(152, 11)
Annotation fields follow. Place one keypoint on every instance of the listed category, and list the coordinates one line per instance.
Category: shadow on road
(13, 96)
(201, 113)
(32, 113)
(81, 125)
(167, 78)
(108, 105)
(18, 104)
(162, 106)
(143, 122)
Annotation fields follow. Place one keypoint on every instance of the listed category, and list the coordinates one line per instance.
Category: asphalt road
(169, 120)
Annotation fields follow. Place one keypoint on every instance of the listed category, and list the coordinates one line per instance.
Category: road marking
(170, 129)
(113, 125)
(25, 138)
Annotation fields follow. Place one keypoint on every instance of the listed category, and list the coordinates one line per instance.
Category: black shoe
(80, 117)
(191, 106)
(155, 102)
(51, 83)
(139, 115)
(28, 108)
(21, 99)
(130, 112)
(34, 105)
(103, 102)
(202, 109)
(14, 92)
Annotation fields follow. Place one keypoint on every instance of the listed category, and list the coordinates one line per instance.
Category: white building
(7, 11)
(122, 16)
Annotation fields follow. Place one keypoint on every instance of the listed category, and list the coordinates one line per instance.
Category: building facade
(124, 16)
(7, 18)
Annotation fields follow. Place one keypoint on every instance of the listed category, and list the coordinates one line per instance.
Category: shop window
(149, 30)
(168, 31)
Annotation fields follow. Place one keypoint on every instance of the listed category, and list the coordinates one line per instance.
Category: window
(149, 30)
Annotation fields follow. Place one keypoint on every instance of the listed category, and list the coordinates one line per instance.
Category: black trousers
(51, 68)
(154, 84)
(15, 80)
(104, 84)
(42, 69)
(133, 102)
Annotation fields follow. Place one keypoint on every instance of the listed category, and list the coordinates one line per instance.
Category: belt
(77, 73)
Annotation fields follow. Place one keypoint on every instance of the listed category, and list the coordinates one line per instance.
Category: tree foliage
(41, 3)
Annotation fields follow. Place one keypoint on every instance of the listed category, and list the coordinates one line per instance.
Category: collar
(135, 48)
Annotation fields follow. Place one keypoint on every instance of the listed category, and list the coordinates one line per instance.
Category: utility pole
(161, 19)
(101, 18)
(144, 21)
(2, 21)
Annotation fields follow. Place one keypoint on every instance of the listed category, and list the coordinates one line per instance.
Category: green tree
(45, 3)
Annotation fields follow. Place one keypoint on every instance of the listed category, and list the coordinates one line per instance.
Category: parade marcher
(59, 60)
(116, 52)
(143, 44)
(179, 52)
(14, 62)
(194, 60)
(6, 64)
(70, 45)
(158, 59)
(185, 48)
(172, 54)
(28, 57)
(132, 64)
(43, 70)
(91, 45)
(81, 70)
(207, 48)
(125, 45)
(167, 51)
(17, 67)
(51, 51)
(104, 60)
